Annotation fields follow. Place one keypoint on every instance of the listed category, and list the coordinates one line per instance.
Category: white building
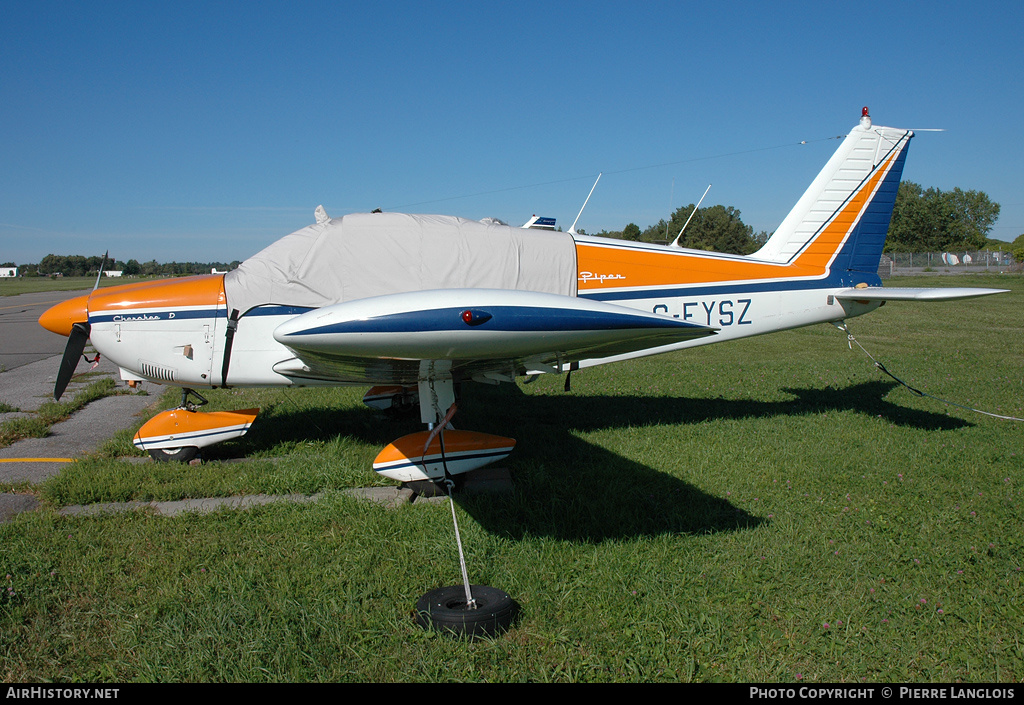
(8, 272)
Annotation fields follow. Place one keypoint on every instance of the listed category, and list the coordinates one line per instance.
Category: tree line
(932, 220)
(715, 228)
(923, 220)
(82, 266)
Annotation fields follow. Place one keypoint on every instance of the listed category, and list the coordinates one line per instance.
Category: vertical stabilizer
(852, 198)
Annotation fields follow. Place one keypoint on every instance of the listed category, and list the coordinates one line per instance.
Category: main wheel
(174, 455)
(445, 609)
(432, 488)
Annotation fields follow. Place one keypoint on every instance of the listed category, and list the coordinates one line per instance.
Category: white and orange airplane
(417, 304)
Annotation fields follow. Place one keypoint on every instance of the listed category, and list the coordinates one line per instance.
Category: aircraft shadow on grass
(569, 489)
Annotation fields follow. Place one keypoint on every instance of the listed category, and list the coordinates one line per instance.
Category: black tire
(444, 609)
(174, 455)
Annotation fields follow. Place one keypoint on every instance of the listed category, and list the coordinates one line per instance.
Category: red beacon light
(864, 112)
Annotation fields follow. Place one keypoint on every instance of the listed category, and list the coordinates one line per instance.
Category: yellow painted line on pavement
(37, 460)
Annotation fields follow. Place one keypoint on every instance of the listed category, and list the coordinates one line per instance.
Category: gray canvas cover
(372, 254)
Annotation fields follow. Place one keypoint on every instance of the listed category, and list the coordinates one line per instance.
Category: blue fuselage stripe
(835, 280)
(676, 291)
(503, 318)
(129, 316)
(277, 310)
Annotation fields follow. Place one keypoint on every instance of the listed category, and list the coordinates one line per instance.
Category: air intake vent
(152, 371)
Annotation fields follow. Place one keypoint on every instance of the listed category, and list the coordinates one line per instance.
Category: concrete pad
(175, 508)
(12, 504)
(391, 497)
(29, 386)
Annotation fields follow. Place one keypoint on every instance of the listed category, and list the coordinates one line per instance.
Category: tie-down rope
(851, 340)
(449, 485)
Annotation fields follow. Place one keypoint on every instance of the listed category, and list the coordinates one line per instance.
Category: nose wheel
(181, 454)
(177, 435)
(174, 455)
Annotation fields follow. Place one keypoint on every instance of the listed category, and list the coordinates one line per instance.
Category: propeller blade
(72, 354)
(100, 273)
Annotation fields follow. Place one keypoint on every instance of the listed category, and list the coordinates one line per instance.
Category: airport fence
(976, 262)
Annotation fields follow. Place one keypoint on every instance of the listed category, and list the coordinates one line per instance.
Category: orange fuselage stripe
(643, 267)
(203, 290)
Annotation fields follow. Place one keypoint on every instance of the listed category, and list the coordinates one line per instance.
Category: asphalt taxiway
(29, 359)
(22, 340)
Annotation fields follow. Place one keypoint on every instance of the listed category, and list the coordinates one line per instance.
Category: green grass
(772, 510)
(31, 285)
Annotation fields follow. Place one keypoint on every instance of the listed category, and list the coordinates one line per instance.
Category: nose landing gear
(177, 435)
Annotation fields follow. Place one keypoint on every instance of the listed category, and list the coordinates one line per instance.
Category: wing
(482, 334)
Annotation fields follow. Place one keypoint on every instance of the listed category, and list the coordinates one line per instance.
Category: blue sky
(203, 132)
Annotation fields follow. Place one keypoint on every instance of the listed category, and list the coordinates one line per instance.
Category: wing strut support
(436, 390)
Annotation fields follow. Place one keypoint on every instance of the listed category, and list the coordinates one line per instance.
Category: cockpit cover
(372, 254)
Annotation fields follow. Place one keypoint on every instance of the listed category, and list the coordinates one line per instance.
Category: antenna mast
(572, 230)
(675, 243)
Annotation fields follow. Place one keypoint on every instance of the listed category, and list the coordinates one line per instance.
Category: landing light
(475, 318)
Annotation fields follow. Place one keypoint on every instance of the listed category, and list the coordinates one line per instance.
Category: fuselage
(398, 270)
(175, 331)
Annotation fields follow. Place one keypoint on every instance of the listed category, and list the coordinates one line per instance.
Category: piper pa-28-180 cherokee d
(417, 304)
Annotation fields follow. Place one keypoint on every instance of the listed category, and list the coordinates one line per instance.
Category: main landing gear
(436, 455)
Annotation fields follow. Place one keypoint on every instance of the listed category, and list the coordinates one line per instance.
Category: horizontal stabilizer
(879, 293)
